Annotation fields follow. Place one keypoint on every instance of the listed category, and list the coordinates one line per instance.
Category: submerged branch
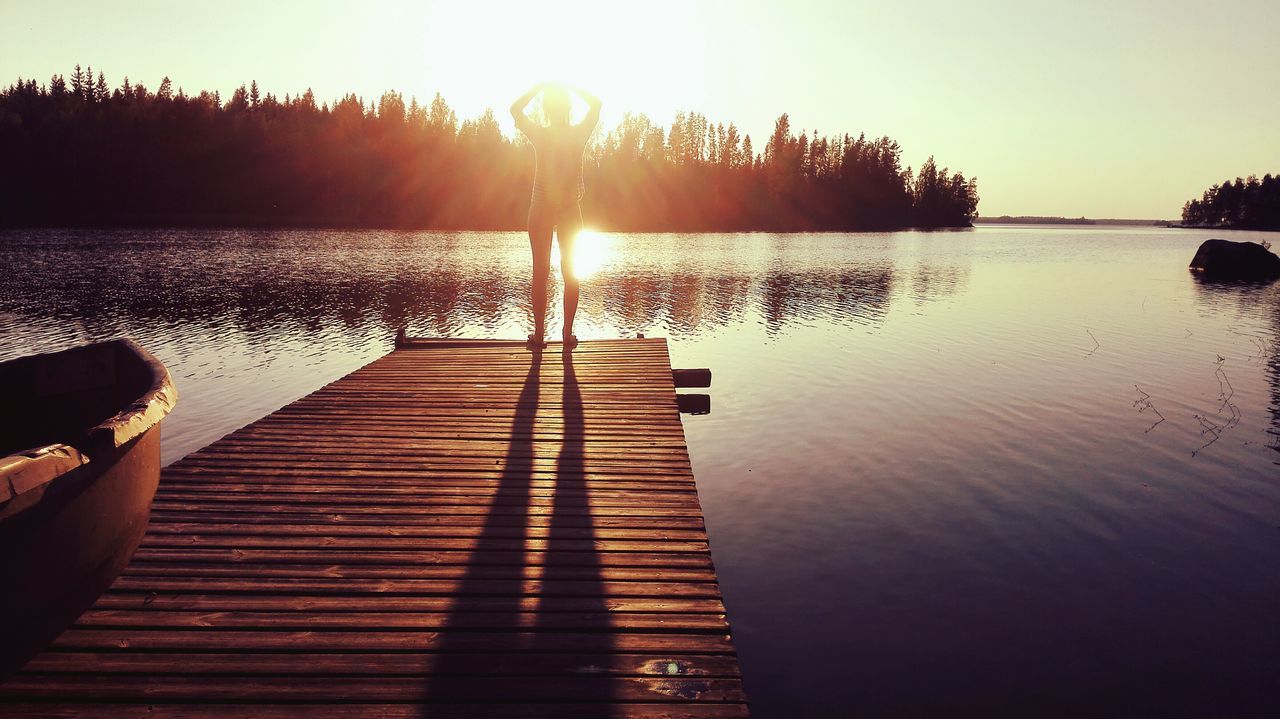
(1143, 404)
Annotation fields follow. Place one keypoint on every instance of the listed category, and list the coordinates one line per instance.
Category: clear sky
(1120, 108)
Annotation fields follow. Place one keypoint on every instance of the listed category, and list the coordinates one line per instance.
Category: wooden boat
(79, 463)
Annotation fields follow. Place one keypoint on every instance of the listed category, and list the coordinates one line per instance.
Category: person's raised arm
(593, 109)
(517, 108)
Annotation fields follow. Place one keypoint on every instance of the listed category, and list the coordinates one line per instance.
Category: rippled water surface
(1010, 471)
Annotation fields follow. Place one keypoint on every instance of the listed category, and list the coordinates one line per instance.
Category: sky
(1122, 108)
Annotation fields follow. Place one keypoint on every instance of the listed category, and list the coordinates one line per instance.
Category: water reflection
(262, 285)
(1246, 298)
(935, 448)
(235, 312)
(1273, 364)
(592, 251)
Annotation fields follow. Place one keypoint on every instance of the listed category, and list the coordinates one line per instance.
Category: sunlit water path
(1011, 470)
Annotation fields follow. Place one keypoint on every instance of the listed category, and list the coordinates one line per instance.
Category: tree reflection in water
(256, 287)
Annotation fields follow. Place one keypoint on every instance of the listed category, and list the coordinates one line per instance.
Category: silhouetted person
(557, 190)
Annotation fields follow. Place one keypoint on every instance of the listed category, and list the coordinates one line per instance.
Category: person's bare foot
(570, 341)
(535, 340)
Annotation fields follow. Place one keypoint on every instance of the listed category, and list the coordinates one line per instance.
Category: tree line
(1245, 204)
(81, 153)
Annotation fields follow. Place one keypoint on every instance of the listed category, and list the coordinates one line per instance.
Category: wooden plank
(454, 483)
(592, 495)
(508, 586)
(371, 641)
(736, 710)
(398, 664)
(379, 473)
(218, 688)
(327, 556)
(163, 601)
(477, 508)
(440, 525)
(458, 529)
(564, 571)
(549, 466)
(447, 620)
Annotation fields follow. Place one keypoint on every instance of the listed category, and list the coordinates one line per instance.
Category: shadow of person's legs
(573, 567)
(489, 608)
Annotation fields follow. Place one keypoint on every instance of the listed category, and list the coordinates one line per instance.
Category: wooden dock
(458, 529)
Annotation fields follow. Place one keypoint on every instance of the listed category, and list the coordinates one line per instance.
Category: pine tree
(775, 149)
(730, 154)
(239, 101)
(441, 118)
(77, 83)
(417, 116)
(391, 108)
(803, 165)
(678, 150)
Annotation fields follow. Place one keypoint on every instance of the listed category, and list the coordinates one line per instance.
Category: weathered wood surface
(458, 529)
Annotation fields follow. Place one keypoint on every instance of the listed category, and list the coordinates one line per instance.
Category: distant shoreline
(1041, 220)
(241, 222)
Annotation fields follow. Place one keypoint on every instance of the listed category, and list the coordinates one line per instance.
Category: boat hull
(73, 516)
(62, 551)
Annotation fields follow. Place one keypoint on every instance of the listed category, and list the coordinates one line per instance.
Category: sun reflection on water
(592, 252)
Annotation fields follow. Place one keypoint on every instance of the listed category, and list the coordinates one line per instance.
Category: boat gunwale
(32, 468)
(144, 412)
(26, 470)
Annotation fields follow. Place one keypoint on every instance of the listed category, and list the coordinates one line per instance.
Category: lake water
(1008, 471)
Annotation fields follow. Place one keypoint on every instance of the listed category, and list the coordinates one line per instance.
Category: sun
(637, 57)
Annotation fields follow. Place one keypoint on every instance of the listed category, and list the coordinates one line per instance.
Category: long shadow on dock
(537, 603)
(572, 566)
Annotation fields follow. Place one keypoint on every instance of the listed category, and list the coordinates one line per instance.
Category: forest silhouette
(1250, 204)
(81, 153)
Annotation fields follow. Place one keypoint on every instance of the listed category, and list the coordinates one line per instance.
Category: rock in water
(1227, 260)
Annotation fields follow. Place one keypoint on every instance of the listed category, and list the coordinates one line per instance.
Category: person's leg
(568, 225)
(540, 225)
